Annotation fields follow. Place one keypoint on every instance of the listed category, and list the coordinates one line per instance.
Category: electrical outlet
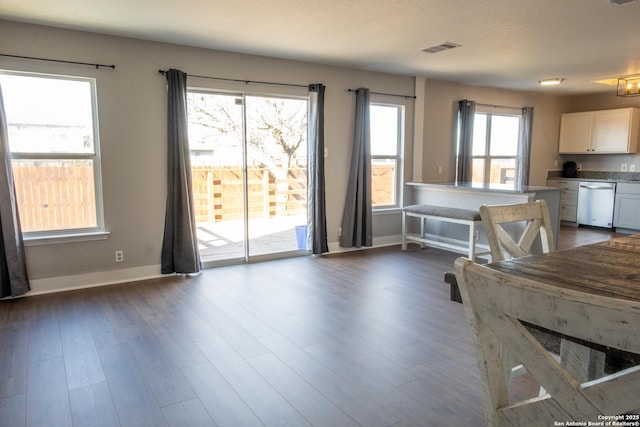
(579, 166)
(439, 169)
(632, 168)
(555, 163)
(119, 256)
(623, 168)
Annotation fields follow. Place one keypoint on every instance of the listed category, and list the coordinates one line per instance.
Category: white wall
(440, 126)
(131, 104)
(132, 120)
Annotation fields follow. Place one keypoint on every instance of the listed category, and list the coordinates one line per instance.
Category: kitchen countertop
(632, 177)
(473, 195)
(628, 181)
(480, 187)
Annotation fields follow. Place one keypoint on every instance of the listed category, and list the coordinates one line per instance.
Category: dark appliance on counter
(569, 170)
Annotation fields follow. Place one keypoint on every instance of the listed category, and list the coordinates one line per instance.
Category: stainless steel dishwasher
(595, 203)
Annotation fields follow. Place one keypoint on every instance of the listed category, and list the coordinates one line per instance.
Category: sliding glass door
(249, 168)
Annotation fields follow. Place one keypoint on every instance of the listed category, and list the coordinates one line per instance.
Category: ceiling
(503, 43)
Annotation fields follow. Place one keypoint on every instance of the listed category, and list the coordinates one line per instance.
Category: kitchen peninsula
(473, 195)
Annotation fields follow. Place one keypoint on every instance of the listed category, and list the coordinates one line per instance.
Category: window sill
(66, 238)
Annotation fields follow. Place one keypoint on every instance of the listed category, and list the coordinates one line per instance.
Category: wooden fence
(218, 192)
(499, 174)
(55, 195)
(60, 195)
(383, 185)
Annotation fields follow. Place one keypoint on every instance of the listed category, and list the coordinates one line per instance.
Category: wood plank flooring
(367, 338)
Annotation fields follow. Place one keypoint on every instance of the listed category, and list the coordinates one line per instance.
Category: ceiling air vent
(621, 1)
(441, 47)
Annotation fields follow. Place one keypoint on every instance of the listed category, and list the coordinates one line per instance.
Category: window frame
(397, 158)
(69, 234)
(241, 93)
(486, 157)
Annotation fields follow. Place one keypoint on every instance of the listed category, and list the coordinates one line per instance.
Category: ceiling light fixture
(550, 82)
(629, 86)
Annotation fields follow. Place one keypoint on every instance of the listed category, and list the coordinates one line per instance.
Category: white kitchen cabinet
(568, 198)
(626, 213)
(575, 132)
(600, 132)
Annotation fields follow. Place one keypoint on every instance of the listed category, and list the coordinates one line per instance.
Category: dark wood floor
(366, 338)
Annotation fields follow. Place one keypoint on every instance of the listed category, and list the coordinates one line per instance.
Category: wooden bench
(467, 217)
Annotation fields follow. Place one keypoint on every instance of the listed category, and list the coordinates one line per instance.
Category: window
(386, 124)
(53, 141)
(495, 148)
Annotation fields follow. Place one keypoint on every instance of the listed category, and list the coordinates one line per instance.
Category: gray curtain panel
(317, 214)
(357, 229)
(180, 242)
(524, 147)
(464, 161)
(13, 265)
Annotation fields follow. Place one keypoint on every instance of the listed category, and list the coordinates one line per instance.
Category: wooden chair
(534, 221)
(498, 305)
(535, 217)
(502, 246)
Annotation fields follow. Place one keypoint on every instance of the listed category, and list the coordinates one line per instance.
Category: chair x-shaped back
(535, 216)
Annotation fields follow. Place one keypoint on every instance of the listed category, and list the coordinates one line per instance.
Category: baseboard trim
(92, 280)
(114, 277)
(378, 242)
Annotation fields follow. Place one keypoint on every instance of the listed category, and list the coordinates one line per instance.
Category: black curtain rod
(386, 94)
(498, 106)
(240, 81)
(58, 60)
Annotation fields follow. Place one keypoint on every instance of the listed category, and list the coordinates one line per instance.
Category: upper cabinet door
(613, 133)
(600, 132)
(575, 132)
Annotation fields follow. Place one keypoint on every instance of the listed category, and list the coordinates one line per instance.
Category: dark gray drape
(357, 230)
(524, 147)
(13, 266)
(317, 214)
(180, 242)
(464, 161)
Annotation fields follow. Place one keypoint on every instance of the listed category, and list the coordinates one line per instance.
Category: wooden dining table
(610, 268)
(588, 295)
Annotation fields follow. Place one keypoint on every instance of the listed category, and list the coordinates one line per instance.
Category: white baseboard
(112, 277)
(90, 280)
(378, 242)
